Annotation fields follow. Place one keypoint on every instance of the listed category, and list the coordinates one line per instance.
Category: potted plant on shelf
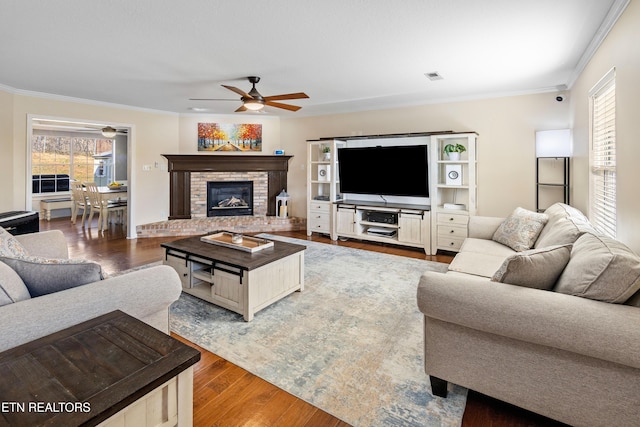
(453, 151)
(326, 153)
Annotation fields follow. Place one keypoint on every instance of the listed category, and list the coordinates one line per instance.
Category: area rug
(351, 343)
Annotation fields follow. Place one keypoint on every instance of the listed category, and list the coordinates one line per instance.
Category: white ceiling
(347, 55)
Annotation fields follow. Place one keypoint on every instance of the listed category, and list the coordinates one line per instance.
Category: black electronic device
(20, 222)
(385, 170)
(382, 217)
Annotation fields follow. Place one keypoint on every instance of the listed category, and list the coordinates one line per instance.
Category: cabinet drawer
(446, 231)
(444, 218)
(319, 217)
(449, 243)
(318, 225)
(318, 206)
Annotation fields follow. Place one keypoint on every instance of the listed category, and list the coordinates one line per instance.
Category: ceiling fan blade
(241, 109)
(281, 105)
(298, 95)
(238, 91)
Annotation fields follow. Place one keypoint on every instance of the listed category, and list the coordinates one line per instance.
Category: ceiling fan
(254, 101)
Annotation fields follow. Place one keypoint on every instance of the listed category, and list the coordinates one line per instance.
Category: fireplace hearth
(229, 198)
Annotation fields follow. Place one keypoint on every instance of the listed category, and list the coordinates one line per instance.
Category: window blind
(602, 209)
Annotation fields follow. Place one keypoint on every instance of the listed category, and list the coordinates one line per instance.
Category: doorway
(67, 148)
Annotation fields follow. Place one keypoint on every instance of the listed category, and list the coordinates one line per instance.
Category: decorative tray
(237, 241)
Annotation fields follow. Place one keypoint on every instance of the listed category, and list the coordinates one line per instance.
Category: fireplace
(229, 198)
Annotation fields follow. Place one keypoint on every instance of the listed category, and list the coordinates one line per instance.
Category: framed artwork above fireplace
(240, 138)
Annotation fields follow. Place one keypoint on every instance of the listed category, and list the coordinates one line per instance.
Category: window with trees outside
(56, 159)
(602, 185)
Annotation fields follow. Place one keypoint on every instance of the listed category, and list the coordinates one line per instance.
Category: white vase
(454, 155)
(326, 156)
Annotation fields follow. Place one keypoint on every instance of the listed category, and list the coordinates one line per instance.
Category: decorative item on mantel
(282, 201)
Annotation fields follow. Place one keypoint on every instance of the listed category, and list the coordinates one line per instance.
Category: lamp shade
(553, 143)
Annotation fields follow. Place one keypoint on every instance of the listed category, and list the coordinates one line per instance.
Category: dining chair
(103, 207)
(78, 201)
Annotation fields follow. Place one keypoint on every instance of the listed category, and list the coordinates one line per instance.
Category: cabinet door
(410, 228)
(345, 219)
(179, 263)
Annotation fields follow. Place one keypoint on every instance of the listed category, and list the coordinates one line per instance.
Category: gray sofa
(564, 341)
(145, 294)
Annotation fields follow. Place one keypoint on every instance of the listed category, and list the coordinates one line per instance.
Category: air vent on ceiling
(434, 75)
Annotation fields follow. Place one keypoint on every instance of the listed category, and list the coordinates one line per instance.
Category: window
(602, 185)
(57, 158)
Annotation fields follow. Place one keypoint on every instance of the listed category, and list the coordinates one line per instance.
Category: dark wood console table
(90, 372)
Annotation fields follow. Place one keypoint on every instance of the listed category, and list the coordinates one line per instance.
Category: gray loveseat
(563, 342)
(145, 294)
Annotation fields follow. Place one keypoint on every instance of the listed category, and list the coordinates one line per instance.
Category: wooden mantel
(181, 165)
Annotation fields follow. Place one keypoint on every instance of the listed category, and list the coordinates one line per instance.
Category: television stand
(394, 223)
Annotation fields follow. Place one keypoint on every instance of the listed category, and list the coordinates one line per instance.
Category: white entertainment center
(437, 222)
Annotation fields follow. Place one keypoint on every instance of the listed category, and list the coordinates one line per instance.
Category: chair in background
(104, 208)
(78, 201)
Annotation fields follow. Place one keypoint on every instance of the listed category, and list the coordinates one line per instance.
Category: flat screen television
(384, 170)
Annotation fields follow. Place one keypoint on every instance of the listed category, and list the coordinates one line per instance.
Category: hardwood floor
(227, 395)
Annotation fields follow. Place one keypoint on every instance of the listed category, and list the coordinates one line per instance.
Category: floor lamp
(555, 145)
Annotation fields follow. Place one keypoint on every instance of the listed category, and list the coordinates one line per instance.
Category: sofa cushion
(535, 268)
(10, 246)
(521, 229)
(12, 288)
(600, 268)
(563, 231)
(562, 210)
(44, 276)
(484, 246)
(478, 264)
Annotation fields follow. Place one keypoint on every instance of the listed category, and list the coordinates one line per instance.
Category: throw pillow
(43, 276)
(10, 246)
(521, 229)
(562, 232)
(12, 288)
(535, 268)
(600, 268)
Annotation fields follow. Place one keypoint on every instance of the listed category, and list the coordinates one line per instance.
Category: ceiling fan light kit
(254, 101)
(253, 104)
(108, 132)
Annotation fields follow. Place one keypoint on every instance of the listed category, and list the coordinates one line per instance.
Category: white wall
(620, 50)
(506, 143)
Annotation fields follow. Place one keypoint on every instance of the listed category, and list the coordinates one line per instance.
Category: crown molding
(62, 98)
(616, 10)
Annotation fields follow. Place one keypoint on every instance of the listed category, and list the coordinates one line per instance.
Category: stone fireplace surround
(187, 212)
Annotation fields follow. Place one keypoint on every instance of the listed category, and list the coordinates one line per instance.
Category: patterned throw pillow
(9, 245)
(521, 229)
(535, 268)
(44, 276)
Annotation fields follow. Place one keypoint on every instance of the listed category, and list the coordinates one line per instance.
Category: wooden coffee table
(239, 281)
(108, 371)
